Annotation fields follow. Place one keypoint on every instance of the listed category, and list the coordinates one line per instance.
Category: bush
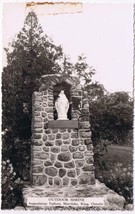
(120, 179)
(20, 157)
(11, 187)
(100, 149)
(15, 169)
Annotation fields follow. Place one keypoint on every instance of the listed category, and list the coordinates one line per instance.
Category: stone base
(112, 200)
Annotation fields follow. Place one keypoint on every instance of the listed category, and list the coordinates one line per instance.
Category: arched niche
(67, 90)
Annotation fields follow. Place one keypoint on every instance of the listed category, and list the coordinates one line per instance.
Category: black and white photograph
(67, 101)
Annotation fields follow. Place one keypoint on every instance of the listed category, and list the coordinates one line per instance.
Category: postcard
(67, 106)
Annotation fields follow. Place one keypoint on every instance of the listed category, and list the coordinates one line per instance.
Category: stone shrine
(62, 150)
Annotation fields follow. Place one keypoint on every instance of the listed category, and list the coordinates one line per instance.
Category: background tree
(84, 72)
(30, 55)
(111, 116)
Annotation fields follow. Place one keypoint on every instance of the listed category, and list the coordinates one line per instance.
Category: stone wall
(61, 156)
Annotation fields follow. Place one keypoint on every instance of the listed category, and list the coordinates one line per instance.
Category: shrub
(120, 179)
(15, 169)
(100, 149)
(20, 157)
(11, 187)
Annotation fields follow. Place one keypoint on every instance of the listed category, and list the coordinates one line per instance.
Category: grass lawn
(119, 154)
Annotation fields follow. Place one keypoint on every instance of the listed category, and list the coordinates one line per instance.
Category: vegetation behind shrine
(31, 55)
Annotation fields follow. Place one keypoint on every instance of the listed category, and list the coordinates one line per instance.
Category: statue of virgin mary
(62, 106)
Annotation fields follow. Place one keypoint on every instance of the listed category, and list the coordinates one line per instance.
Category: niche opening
(56, 91)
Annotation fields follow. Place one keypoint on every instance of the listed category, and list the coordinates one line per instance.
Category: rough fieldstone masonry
(62, 150)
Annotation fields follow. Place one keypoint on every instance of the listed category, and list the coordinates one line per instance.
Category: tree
(30, 55)
(111, 116)
(84, 72)
(120, 116)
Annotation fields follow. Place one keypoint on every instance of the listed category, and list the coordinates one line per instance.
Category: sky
(103, 32)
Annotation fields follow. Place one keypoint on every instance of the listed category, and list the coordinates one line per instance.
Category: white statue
(62, 106)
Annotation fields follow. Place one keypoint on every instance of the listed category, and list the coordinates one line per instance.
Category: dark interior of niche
(67, 90)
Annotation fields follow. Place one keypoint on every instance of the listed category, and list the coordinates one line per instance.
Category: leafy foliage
(111, 116)
(11, 187)
(120, 179)
(31, 55)
(84, 71)
(100, 149)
